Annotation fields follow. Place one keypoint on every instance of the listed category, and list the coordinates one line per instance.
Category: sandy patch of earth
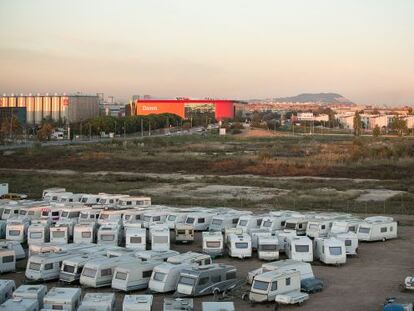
(377, 195)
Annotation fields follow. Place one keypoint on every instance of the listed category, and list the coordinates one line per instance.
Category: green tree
(357, 124)
(399, 125)
(10, 127)
(45, 131)
(376, 131)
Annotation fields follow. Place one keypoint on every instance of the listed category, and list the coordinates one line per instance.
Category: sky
(362, 49)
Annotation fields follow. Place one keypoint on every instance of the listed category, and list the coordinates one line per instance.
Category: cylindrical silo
(12, 101)
(21, 101)
(38, 109)
(30, 108)
(47, 107)
(4, 101)
(64, 108)
(55, 108)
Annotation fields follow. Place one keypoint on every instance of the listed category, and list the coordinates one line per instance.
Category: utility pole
(149, 127)
(142, 127)
(90, 132)
(124, 129)
(81, 129)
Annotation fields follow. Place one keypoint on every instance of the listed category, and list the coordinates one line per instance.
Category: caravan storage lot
(362, 283)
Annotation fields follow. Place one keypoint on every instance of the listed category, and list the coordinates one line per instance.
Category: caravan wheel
(384, 239)
(216, 292)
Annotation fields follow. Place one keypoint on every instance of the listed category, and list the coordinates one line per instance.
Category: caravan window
(22, 212)
(159, 276)
(335, 251)
(14, 232)
(58, 234)
(135, 239)
(348, 242)
(187, 281)
(6, 211)
(313, 226)
(172, 217)
(363, 230)
(88, 272)
(34, 266)
(260, 285)
(213, 244)
(7, 259)
(290, 225)
(36, 235)
(216, 278)
(287, 281)
(127, 217)
(207, 261)
(57, 307)
(243, 223)
(121, 276)
(384, 229)
(201, 220)
(274, 286)
(69, 269)
(107, 237)
(45, 213)
(268, 247)
(352, 229)
(203, 281)
(216, 222)
(156, 218)
(86, 235)
(64, 214)
(74, 214)
(190, 220)
(147, 274)
(55, 214)
(323, 227)
(231, 275)
(267, 223)
(49, 266)
(106, 272)
(242, 245)
(84, 200)
(235, 220)
(302, 248)
(160, 239)
(391, 229)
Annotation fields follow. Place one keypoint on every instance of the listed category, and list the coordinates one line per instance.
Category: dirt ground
(361, 284)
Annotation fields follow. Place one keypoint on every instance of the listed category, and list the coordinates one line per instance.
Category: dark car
(311, 285)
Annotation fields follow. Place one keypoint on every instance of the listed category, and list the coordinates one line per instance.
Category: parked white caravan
(134, 217)
(71, 214)
(330, 251)
(85, 233)
(52, 190)
(299, 248)
(184, 233)
(297, 224)
(98, 302)
(199, 220)
(7, 288)
(62, 298)
(248, 222)
(351, 241)
(133, 275)
(45, 248)
(268, 285)
(268, 247)
(118, 251)
(19, 304)
(318, 228)
(160, 238)
(36, 292)
(7, 260)
(256, 233)
(222, 222)
(14, 246)
(55, 197)
(273, 223)
(17, 228)
(62, 232)
(377, 228)
(89, 215)
(38, 233)
(32, 212)
(11, 209)
(137, 303)
(110, 217)
(178, 304)
(213, 243)
(135, 238)
(175, 217)
(150, 255)
(98, 272)
(134, 202)
(348, 225)
(239, 245)
(109, 200)
(90, 199)
(110, 234)
(72, 267)
(51, 212)
(154, 217)
(70, 197)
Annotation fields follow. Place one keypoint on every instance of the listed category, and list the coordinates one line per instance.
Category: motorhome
(268, 247)
(205, 280)
(153, 217)
(17, 228)
(213, 243)
(239, 245)
(304, 268)
(248, 222)
(178, 304)
(175, 217)
(52, 190)
(133, 275)
(330, 251)
(377, 228)
(318, 228)
(160, 239)
(299, 248)
(85, 233)
(222, 222)
(297, 224)
(135, 238)
(110, 234)
(267, 286)
(348, 225)
(14, 246)
(62, 232)
(72, 267)
(217, 306)
(137, 303)
(89, 215)
(20, 304)
(184, 233)
(351, 241)
(38, 233)
(199, 220)
(90, 199)
(165, 275)
(98, 272)
(134, 202)
(150, 255)
(110, 217)
(7, 288)
(273, 223)
(98, 302)
(62, 298)
(36, 292)
(7, 260)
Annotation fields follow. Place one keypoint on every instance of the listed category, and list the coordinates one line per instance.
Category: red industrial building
(185, 108)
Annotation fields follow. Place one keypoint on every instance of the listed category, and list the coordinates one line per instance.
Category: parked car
(311, 285)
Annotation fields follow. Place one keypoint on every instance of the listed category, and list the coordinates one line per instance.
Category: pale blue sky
(363, 49)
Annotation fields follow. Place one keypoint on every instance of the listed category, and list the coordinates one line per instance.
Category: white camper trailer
(89, 215)
(45, 248)
(268, 247)
(20, 304)
(222, 222)
(248, 222)
(330, 251)
(160, 238)
(71, 198)
(154, 217)
(184, 233)
(98, 302)
(51, 212)
(229, 231)
(7, 288)
(164, 277)
(118, 251)
(318, 228)
(256, 233)
(4, 188)
(299, 248)
(55, 197)
(62, 298)
(174, 218)
(98, 272)
(133, 275)
(72, 267)
(273, 223)
(239, 245)
(213, 243)
(38, 233)
(350, 239)
(110, 234)
(133, 217)
(90, 199)
(150, 255)
(33, 212)
(14, 246)
(110, 217)
(348, 225)
(52, 190)
(137, 303)
(267, 286)
(85, 233)
(62, 232)
(135, 238)
(17, 228)
(178, 304)
(297, 224)
(7, 260)
(10, 210)
(134, 202)
(109, 200)
(71, 214)
(36, 292)
(199, 220)
(377, 228)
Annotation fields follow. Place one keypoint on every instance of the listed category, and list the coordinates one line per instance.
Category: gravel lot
(361, 284)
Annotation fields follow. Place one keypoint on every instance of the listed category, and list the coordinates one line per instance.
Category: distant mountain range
(320, 98)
